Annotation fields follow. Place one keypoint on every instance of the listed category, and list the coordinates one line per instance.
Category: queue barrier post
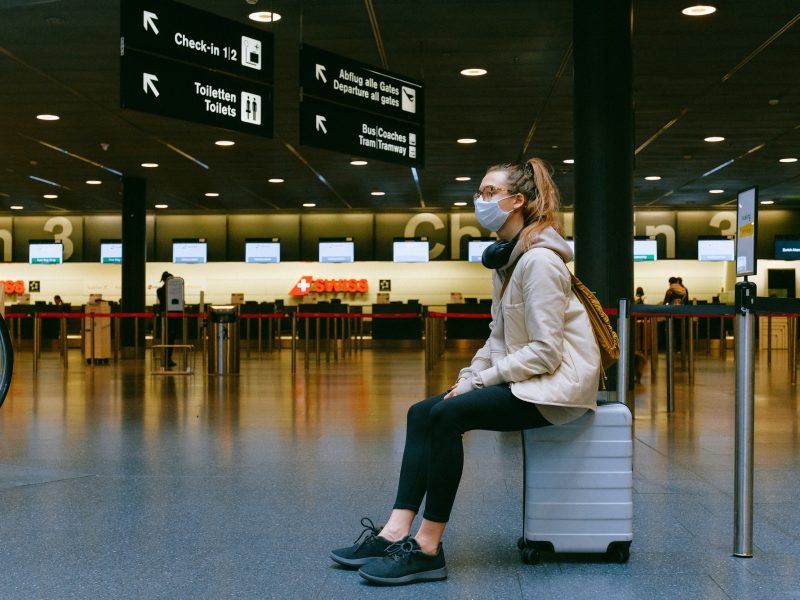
(294, 342)
(670, 364)
(744, 334)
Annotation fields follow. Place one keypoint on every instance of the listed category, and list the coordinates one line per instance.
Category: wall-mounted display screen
(787, 247)
(644, 250)
(111, 252)
(716, 248)
(336, 250)
(262, 250)
(190, 251)
(407, 251)
(475, 248)
(45, 252)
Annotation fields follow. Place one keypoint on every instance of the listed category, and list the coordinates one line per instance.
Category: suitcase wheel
(531, 556)
(619, 552)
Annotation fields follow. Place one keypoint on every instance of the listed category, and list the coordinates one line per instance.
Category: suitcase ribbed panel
(579, 482)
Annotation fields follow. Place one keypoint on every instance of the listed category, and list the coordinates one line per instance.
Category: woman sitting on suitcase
(540, 366)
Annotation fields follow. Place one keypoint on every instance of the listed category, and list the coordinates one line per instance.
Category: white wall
(431, 283)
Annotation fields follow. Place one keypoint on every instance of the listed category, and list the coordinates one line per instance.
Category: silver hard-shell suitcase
(578, 486)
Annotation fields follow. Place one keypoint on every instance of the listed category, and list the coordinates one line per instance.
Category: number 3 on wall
(65, 229)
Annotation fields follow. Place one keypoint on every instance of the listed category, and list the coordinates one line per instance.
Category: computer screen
(111, 251)
(644, 250)
(475, 248)
(45, 252)
(787, 247)
(262, 251)
(189, 251)
(409, 251)
(336, 250)
(716, 249)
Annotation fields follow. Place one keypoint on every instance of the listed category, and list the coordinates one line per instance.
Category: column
(134, 257)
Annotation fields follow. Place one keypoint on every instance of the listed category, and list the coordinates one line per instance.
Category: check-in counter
(467, 328)
(397, 328)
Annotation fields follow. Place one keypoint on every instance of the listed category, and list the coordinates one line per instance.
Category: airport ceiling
(735, 73)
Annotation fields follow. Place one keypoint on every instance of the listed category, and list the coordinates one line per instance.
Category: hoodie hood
(546, 238)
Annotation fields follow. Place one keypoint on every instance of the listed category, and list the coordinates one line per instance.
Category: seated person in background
(57, 300)
(639, 298)
(676, 293)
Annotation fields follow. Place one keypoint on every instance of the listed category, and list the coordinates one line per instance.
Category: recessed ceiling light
(466, 140)
(50, 196)
(93, 182)
(714, 138)
(788, 160)
(569, 161)
(768, 202)
(275, 180)
(264, 16)
(309, 204)
(16, 207)
(473, 72)
(377, 193)
(162, 205)
(48, 117)
(653, 177)
(224, 143)
(716, 191)
(149, 165)
(699, 10)
(459, 203)
(212, 194)
(463, 178)
(358, 163)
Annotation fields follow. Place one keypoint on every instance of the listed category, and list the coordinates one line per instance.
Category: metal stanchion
(307, 328)
(670, 365)
(623, 369)
(36, 341)
(62, 333)
(653, 347)
(769, 340)
(91, 339)
(682, 325)
(793, 349)
(744, 334)
(316, 347)
(294, 342)
(136, 337)
(690, 342)
(260, 319)
(723, 341)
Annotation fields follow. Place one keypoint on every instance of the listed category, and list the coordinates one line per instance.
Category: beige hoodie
(541, 341)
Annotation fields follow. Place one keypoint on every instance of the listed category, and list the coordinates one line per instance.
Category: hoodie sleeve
(534, 328)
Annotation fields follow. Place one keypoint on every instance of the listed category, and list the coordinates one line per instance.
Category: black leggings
(434, 455)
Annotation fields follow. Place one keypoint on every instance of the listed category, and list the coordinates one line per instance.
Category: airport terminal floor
(116, 483)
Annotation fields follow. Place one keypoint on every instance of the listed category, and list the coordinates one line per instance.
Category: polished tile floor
(115, 483)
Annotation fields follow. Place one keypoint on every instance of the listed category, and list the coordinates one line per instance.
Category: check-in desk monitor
(262, 250)
(716, 248)
(787, 247)
(336, 250)
(189, 251)
(410, 250)
(45, 252)
(645, 250)
(111, 252)
(475, 248)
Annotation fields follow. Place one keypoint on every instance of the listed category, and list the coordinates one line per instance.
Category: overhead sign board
(328, 76)
(359, 133)
(352, 107)
(165, 87)
(178, 31)
(182, 62)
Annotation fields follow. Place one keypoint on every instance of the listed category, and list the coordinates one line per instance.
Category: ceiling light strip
(47, 181)
(182, 153)
(658, 133)
(762, 47)
(319, 175)
(415, 177)
(719, 167)
(73, 155)
(376, 32)
(565, 61)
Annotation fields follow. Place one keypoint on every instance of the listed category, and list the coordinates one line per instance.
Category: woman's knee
(444, 416)
(419, 413)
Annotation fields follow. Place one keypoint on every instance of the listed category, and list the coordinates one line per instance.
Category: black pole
(134, 239)
(603, 115)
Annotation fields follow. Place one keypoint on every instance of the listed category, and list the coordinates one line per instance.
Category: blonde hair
(533, 180)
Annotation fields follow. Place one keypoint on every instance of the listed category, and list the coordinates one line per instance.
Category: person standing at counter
(540, 366)
(172, 325)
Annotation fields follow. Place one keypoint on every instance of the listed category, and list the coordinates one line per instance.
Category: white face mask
(489, 213)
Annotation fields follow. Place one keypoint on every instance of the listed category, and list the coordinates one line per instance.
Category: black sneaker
(405, 562)
(362, 551)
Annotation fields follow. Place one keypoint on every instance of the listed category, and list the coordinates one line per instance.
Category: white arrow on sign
(321, 124)
(150, 18)
(320, 73)
(147, 82)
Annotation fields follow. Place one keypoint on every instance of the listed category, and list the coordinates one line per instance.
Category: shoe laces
(369, 528)
(402, 549)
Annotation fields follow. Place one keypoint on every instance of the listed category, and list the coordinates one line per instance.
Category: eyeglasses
(488, 192)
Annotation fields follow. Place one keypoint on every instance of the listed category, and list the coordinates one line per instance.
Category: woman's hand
(462, 386)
